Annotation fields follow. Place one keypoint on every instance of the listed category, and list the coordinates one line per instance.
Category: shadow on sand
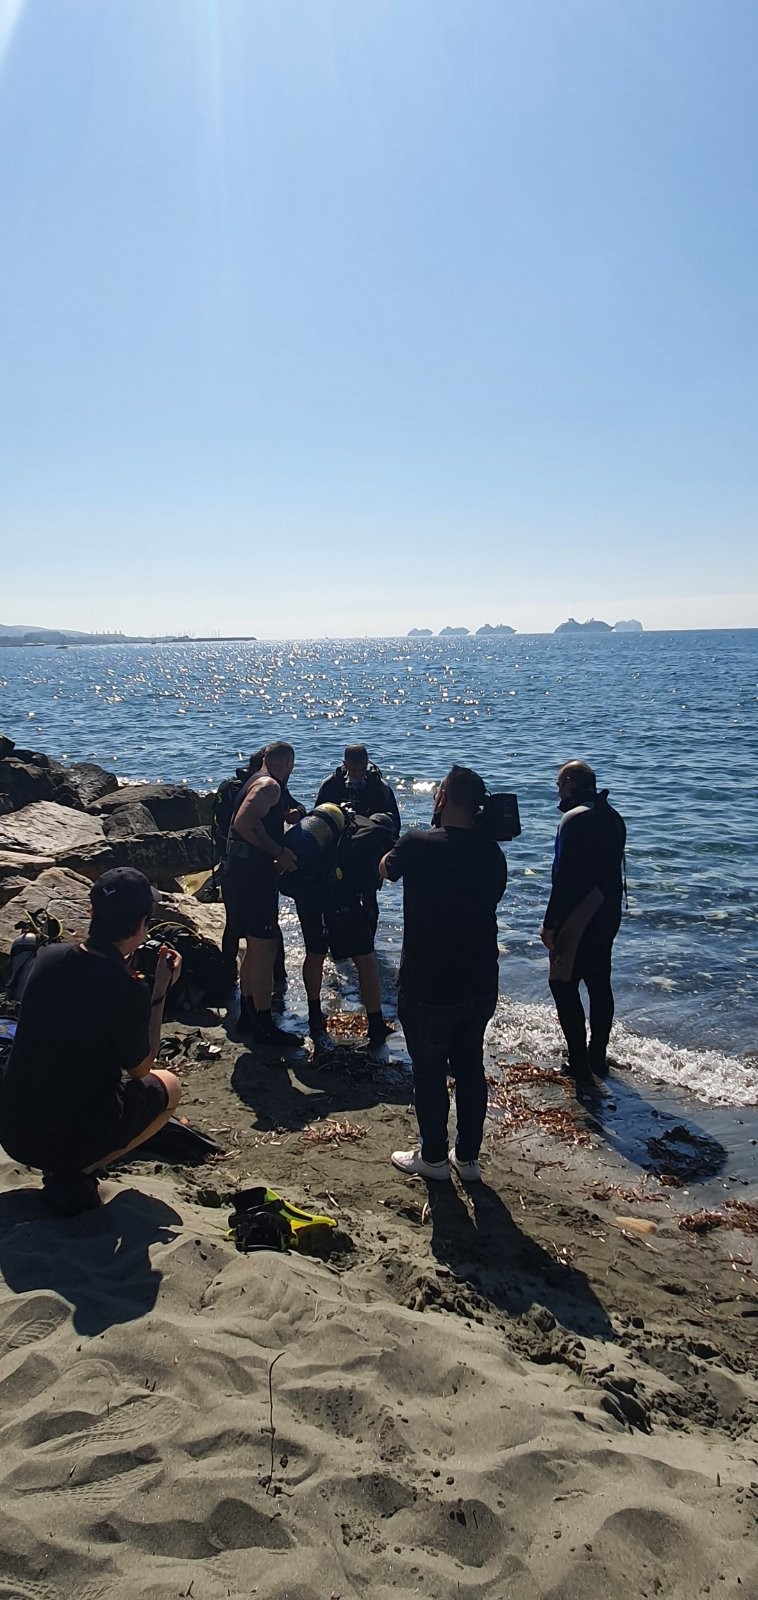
(99, 1262)
(337, 1079)
(490, 1253)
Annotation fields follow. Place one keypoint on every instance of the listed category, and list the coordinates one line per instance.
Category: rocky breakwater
(62, 826)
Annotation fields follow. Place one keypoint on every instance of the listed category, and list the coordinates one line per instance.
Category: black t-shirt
(453, 879)
(84, 1021)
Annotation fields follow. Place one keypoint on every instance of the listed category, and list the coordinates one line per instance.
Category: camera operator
(454, 876)
(81, 1086)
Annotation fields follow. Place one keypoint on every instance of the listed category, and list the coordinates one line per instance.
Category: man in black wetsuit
(583, 914)
(358, 783)
(256, 854)
(454, 875)
(82, 1086)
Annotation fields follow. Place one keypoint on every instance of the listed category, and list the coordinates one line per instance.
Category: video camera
(499, 817)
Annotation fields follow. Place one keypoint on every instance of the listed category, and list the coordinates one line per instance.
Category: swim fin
(303, 1230)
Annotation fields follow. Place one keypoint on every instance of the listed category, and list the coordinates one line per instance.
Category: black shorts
(144, 1099)
(340, 930)
(55, 1147)
(250, 888)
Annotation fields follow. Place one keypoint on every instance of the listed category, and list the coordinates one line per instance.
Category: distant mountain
(591, 626)
(447, 633)
(499, 627)
(419, 633)
(632, 626)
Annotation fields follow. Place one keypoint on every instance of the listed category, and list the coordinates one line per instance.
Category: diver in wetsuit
(583, 914)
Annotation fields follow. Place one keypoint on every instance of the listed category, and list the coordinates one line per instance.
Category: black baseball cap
(122, 897)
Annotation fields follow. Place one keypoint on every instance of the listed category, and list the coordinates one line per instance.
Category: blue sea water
(668, 720)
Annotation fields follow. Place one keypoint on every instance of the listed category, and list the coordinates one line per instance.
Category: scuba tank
(311, 837)
(37, 930)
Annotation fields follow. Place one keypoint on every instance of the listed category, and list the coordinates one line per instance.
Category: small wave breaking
(525, 1030)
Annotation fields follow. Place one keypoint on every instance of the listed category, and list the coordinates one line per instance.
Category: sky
(341, 317)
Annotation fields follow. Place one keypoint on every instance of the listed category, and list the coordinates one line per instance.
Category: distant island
(499, 627)
(593, 625)
(420, 633)
(449, 633)
(63, 638)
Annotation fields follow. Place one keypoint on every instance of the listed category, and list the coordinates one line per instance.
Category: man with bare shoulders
(256, 855)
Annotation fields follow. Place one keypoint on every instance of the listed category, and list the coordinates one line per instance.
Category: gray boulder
(23, 782)
(57, 892)
(90, 782)
(163, 857)
(48, 829)
(19, 864)
(128, 822)
(208, 920)
(171, 805)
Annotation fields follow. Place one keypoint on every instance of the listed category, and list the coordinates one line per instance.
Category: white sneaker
(412, 1163)
(468, 1171)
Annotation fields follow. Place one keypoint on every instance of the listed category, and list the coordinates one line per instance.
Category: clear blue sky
(341, 316)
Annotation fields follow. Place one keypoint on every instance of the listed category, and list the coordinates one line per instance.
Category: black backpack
(225, 803)
(361, 846)
(204, 980)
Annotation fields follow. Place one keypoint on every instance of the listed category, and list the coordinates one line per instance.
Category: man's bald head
(574, 776)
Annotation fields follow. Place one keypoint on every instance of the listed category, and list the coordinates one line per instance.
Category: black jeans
(593, 968)
(447, 1041)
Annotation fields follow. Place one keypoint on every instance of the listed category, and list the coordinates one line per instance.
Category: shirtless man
(256, 855)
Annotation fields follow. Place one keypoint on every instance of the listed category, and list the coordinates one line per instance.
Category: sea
(669, 721)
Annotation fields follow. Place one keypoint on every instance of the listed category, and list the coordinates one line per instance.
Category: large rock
(7, 746)
(18, 864)
(10, 887)
(90, 782)
(48, 829)
(59, 893)
(128, 822)
(163, 857)
(25, 781)
(209, 920)
(171, 805)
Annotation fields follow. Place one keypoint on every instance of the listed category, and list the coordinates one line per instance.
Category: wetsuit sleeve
(391, 805)
(569, 873)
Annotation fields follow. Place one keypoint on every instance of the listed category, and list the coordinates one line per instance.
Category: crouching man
(81, 1086)
(454, 875)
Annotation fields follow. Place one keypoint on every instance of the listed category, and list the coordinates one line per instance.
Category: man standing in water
(358, 783)
(583, 914)
(454, 874)
(256, 855)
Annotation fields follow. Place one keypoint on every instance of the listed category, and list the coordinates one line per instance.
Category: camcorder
(498, 818)
(145, 958)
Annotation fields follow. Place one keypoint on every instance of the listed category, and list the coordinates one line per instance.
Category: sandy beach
(542, 1387)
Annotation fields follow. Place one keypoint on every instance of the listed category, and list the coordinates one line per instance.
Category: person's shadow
(655, 1137)
(490, 1253)
(99, 1262)
(334, 1081)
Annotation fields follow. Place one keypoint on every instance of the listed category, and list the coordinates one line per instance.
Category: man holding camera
(454, 876)
(81, 1086)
